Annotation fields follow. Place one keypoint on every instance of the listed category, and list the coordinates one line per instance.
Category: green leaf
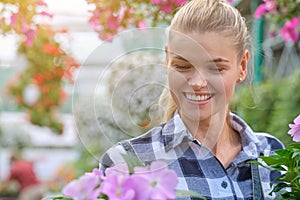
(132, 161)
(56, 197)
(282, 152)
(189, 193)
(276, 160)
(279, 187)
(295, 145)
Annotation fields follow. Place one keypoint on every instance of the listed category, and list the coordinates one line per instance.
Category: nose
(196, 80)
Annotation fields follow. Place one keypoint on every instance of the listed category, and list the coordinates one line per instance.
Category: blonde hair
(202, 16)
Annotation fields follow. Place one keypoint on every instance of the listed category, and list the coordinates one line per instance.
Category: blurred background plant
(285, 16)
(127, 107)
(271, 105)
(39, 87)
(110, 17)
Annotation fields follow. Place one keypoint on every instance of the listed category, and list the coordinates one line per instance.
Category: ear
(243, 67)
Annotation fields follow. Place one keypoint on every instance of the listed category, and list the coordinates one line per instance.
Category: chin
(195, 114)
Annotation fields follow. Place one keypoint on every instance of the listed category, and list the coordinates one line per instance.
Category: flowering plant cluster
(20, 17)
(286, 13)
(130, 181)
(287, 161)
(110, 17)
(39, 88)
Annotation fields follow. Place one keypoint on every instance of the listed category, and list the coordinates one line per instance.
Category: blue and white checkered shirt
(197, 168)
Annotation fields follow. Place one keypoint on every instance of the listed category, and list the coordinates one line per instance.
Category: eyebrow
(219, 60)
(212, 60)
(180, 58)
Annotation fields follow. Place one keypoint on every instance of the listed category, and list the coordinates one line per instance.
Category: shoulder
(141, 144)
(268, 142)
(263, 143)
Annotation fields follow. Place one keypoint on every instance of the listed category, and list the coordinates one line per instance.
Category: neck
(217, 134)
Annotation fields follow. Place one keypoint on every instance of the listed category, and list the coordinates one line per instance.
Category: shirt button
(224, 184)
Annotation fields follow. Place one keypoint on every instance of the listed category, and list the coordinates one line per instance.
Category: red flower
(38, 79)
(52, 49)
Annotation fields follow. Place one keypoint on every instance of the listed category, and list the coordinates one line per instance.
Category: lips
(203, 97)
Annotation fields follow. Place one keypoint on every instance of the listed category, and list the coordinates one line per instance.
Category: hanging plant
(39, 88)
(110, 17)
(286, 13)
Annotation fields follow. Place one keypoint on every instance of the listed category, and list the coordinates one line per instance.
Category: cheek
(176, 80)
(229, 87)
(176, 83)
(223, 85)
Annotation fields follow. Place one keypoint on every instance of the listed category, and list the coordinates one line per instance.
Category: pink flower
(83, 188)
(112, 22)
(166, 6)
(268, 7)
(230, 1)
(94, 21)
(289, 32)
(142, 25)
(156, 182)
(295, 129)
(179, 2)
(118, 184)
(30, 35)
(13, 19)
(41, 3)
(46, 14)
(155, 1)
(97, 173)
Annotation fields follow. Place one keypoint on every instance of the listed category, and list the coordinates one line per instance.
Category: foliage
(39, 88)
(286, 161)
(270, 106)
(12, 190)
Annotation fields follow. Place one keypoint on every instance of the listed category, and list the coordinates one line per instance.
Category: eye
(182, 67)
(216, 69)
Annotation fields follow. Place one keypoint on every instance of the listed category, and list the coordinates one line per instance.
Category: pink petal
(142, 25)
(155, 1)
(43, 13)
(118, 169)
(13, 19)
(30, 35)
(182, 2)
(295, 129)
(158, 165)
(169, 179)
(296, 138)
(260, 11)
(297, 120)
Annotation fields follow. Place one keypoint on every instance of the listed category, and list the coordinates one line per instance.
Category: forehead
(195, 47)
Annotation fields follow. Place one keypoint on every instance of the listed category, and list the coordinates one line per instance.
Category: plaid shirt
(197, 168)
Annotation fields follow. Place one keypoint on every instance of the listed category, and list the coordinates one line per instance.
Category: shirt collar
(250, 143)
(175, 132)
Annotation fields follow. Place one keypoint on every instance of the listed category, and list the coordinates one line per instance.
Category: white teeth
(194, 97)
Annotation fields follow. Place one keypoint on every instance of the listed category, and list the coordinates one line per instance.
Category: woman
(208, 146)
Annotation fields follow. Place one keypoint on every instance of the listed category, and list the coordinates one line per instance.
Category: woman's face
(203, 70)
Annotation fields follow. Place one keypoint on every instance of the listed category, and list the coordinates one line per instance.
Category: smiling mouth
(198, 97)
